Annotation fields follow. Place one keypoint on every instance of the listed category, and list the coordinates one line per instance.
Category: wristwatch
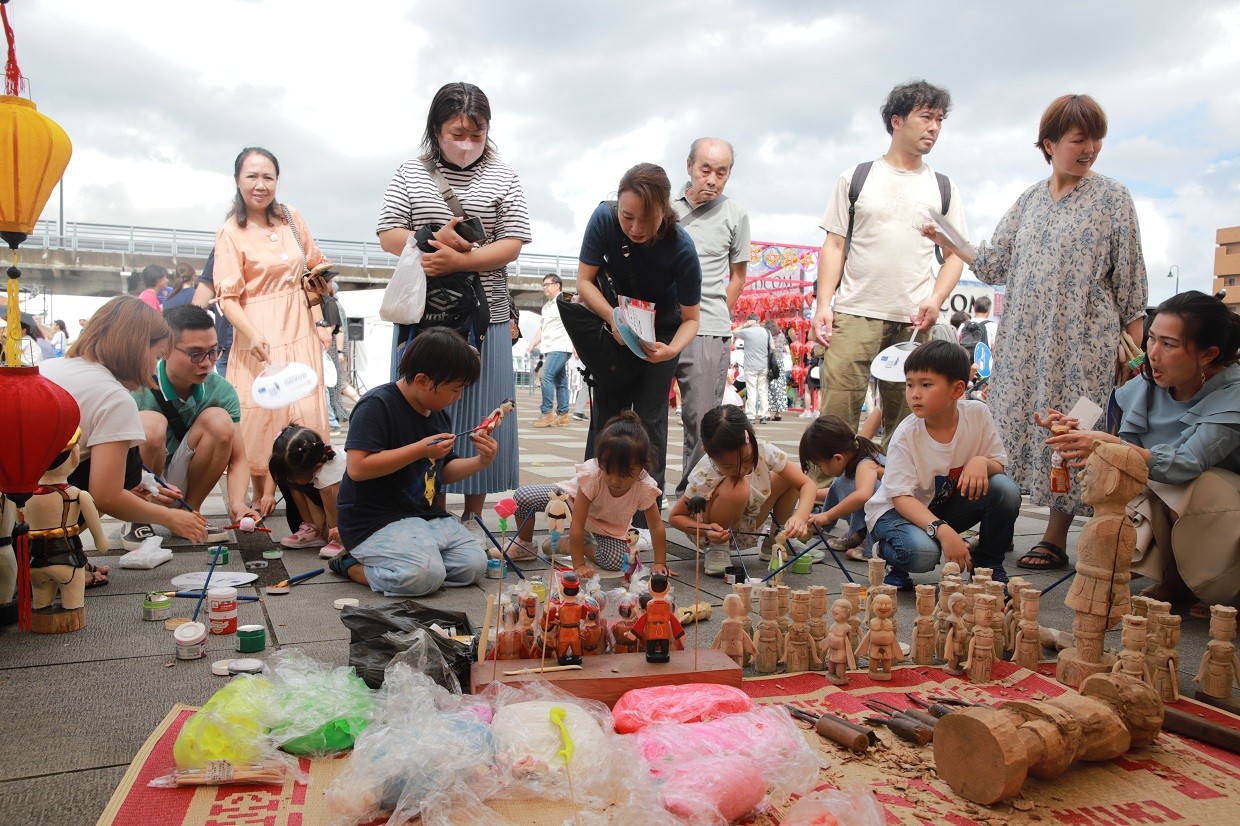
(932, 529)
(322, 324)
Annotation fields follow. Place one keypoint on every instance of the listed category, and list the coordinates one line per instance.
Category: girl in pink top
(604, 495)
(154, 278)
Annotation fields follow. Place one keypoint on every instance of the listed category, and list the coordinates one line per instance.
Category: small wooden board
(605, 677)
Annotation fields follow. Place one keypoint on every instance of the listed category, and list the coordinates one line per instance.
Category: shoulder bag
(314, 282)
(773, 368)
(598, 350)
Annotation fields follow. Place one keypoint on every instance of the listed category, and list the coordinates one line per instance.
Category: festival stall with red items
(780, 286)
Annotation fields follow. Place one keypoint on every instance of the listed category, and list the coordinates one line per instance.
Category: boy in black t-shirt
(399, 454)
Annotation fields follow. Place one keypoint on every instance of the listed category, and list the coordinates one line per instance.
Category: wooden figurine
(997, 620)
(800, 654)
(492, 421)
(982, 644)
(891, 592)
(1166, 659)
(923, 627)
(817, 621)
(879, 643)
(949, 569)
(658, 626)
(1140, 605)
(779, 555)
(508, 640)
(1113, 474)
(558, 513)
(876, 568)
(1220, 667)
(1154, 608)
(784, 599)
(56, 514)
(956, 640)
(731, 639)
(1027, 644)
(985, 754)
(569, 615)
(768, 641)
(972, 591)
(1131, 660)
(837, 650)
(632, 562)
(593, 627)
(744, 590)
(528, 602)
(851, 591)
(621, 641)
(942, 614)
(983, 576)
(1011, 612)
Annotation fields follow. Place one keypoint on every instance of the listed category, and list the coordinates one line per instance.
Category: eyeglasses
(196, 356)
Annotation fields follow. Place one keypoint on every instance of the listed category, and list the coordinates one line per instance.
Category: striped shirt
(489, 190)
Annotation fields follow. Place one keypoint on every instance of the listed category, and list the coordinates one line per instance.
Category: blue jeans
(907, 546)
(414, 557)
(555, 382)
(332, 421)
(841, 488)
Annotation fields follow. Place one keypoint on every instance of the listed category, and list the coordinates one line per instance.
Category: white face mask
(462, 153)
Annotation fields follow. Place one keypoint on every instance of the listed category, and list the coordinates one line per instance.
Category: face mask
(461, 153)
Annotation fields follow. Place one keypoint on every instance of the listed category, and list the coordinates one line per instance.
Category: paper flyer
(638, 316)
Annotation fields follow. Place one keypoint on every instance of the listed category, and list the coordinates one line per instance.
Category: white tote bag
(405, 297)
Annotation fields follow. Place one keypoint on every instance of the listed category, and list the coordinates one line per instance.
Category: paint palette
(220, 579)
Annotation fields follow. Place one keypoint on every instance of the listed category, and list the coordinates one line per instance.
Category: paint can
(191, 640)
(218, 555)
(495, 569)
(734, 574)
(251, 638)
(222, 610)
(156, 607)
(539, 588)
(803, 564)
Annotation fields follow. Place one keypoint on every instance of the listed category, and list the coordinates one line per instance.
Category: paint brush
(199, 595)
(215, 559)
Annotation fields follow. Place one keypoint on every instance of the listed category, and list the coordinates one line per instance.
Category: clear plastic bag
(315, 709)
(227, 727)
(713, 790)
(404, 298)
(688, 703)
(854, 806)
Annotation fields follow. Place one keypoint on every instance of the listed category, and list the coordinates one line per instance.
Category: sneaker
(847, 543)
(581, 417)
(795, 546)
(330, 549)
(335, 431)
(561, 420)
(135, 533)
(307, 536)
(899, 578)
(715, 562)
(643, 540)
(217, 535)
(545, 420)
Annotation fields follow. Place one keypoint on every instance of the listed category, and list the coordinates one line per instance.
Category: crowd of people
(1067, 253)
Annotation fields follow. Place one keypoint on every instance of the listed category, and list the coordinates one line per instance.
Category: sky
(158, 98)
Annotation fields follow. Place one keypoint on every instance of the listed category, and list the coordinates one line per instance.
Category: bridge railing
(80, 236)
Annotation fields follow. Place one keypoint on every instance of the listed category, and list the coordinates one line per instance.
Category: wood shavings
(1023, 805)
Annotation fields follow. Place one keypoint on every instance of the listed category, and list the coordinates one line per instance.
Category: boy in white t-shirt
(944, 475)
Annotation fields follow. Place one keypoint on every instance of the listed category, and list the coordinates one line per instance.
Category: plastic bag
(854, 806)
(423, 655)
(373, 643)
(714, 790)
(404, 298)
(150, 554)
(689, 703)
(228, 727)
(315, 709)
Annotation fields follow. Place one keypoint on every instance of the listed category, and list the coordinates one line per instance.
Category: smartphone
(471, 230)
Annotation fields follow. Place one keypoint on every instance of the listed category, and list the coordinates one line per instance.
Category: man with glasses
(556, 348)
(191, 422)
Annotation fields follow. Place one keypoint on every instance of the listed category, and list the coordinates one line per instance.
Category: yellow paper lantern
(34, 152)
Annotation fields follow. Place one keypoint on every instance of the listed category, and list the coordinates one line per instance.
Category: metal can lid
(157, 600)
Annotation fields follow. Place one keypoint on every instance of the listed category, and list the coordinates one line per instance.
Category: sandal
(1043, 556)
(856, 555)
(342, 562)
(1199, 611)
(95, 577)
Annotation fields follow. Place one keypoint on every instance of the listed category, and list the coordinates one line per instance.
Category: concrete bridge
(99, 260)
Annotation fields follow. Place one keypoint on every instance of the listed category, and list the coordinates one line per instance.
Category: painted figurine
(1220, 667)
(731, 639)
(923, 626)
(593, 627)
(799, 652)
(622, 642)
(492, 421)
(879, 643)
(1113, 474)
(558, 513)
(837, 650)
(658, 626)
(632, 562)
(508, 642)
(982, 645)
(1027, 645)
(528, 602)
(955, 642)
(568, 620)
(817, 621)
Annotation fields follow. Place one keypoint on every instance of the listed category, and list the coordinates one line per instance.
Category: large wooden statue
(1113, 474)
(1220, 666)
(985, 754)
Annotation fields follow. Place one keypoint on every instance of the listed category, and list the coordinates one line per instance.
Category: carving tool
(838, 730)
(905, 728)
(908, 713)
(1190, 725)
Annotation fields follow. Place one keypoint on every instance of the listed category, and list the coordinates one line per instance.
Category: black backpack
(973, 333)
(854, 192)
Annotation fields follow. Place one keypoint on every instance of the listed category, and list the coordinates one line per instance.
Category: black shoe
(579, 417)
(342, 562)
(131, 539)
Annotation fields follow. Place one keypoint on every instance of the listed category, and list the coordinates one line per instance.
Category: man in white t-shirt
(757, 347)
(886, 281)
(556, 349)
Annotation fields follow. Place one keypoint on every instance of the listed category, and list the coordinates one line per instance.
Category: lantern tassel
(21, 549)
(13, 82)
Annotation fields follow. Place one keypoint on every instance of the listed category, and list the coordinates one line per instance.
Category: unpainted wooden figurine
(924, 627)
(56, 514)
(949, 569)
(1131, 660)
(768, 641)
(1220, 667)
(784, 599)
(1139, 605)
(982, 644)
(876, 568)
(942, 614)
(779, 555)
(1153, 609)
(955, 642)
(744, 590)
(799, 651)
(997, 624)
(972, 591)
(1027, 647)
(508, 642)
(626, 609)
(1166, 659)
(1099, 596)
(817, 621)
(983, 576)
(731, 639)
(851, 591)
(879, 643)
(985, 754)
(1011, 613)
(837, 651)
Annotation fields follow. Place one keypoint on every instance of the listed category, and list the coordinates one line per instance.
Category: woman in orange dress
(258, 268)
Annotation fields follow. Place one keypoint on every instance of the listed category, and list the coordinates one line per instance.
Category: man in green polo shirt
(191, 421)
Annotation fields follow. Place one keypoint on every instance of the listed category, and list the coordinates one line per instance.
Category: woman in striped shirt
(456, 140)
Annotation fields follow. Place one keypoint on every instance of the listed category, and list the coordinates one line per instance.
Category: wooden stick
(546, 669)
(499, 620)
(486, 632)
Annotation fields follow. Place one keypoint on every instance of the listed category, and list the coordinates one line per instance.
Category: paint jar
(251, 638)
(803, 564)
(734, 574)
(495, 569)
(539, 588)
(273, 553)
(222, 610)
(217, 555)
(191, 640)
(156, 607)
